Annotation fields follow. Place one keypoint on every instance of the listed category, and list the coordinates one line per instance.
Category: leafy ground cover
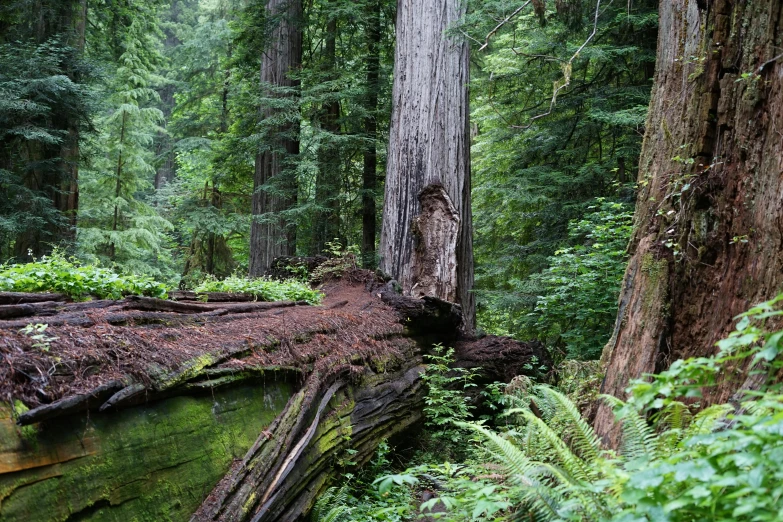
(57, 273)
(60, 274)
(263, 289)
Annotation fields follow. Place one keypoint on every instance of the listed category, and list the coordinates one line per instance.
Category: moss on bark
(152, 463)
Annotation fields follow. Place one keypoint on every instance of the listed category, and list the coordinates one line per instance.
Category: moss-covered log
(151, 463)
(140, 419)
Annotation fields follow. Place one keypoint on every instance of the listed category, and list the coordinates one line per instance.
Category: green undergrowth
(679, 461)
(263, 289)
(58, 273)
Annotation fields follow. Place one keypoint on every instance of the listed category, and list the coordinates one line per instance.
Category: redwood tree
(426, 237)
(271, 234)
(708, 238)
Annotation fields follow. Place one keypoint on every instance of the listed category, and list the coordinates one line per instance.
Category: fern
(332, 506)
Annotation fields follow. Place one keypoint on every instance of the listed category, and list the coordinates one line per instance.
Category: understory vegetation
(263, 289)
(541, 460)
(59, 274)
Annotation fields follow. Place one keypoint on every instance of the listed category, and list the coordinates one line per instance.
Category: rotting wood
(436, 235)
(43, 308)
(71, 405)
(163, 305)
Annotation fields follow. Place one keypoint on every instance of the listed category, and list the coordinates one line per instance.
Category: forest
(391, 260)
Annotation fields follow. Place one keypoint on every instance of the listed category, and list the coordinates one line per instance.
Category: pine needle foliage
(39, 98)
(536, 170)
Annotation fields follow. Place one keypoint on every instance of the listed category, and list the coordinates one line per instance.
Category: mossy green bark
(151, 463)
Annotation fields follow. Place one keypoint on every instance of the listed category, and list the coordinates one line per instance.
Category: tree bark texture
(708, 239)
(275, 236)
(306, 384)
(429, 145)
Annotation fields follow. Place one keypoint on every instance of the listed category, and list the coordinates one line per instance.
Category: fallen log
(44, 308)
(255, 402)
(71, 405)
(211, 297)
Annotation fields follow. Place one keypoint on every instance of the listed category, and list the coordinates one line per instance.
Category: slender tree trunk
(429, 148)
(117, 190)
(370, 171)
(327, 188)
(708, 239)
(270, 238)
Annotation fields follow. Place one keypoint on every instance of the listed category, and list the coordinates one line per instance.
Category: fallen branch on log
(11, 298)
(44, 308)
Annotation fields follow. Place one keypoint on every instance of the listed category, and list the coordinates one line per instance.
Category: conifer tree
(44, 111)
(428, 171)
(117, 225)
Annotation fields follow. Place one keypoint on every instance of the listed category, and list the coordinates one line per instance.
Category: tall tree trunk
(327, 188)
(67, 19)
(370, 171)
(708, 238)
(273, 238)
(67, 199)
(429, 148)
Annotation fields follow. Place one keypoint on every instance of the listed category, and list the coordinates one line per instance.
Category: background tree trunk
(708, 238)
(270, 239)
(67, 199)
(429, 144)
(370, 171)
(327, 188)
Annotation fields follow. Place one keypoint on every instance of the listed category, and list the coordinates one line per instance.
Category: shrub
(676, 463)
(56, 273)
(262, 288)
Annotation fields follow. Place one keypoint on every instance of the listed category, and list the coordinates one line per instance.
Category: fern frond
(638, 437)
(581, 436)
(332, 506)
(708, 420)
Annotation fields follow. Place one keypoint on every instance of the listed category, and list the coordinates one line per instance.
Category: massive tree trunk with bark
(274, 190)
(708, 238)
(426, 238)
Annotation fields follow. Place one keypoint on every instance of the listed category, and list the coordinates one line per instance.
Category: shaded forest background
(130, 131)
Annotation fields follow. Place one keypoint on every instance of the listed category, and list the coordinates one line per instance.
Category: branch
(566, 81)
(501, 24)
